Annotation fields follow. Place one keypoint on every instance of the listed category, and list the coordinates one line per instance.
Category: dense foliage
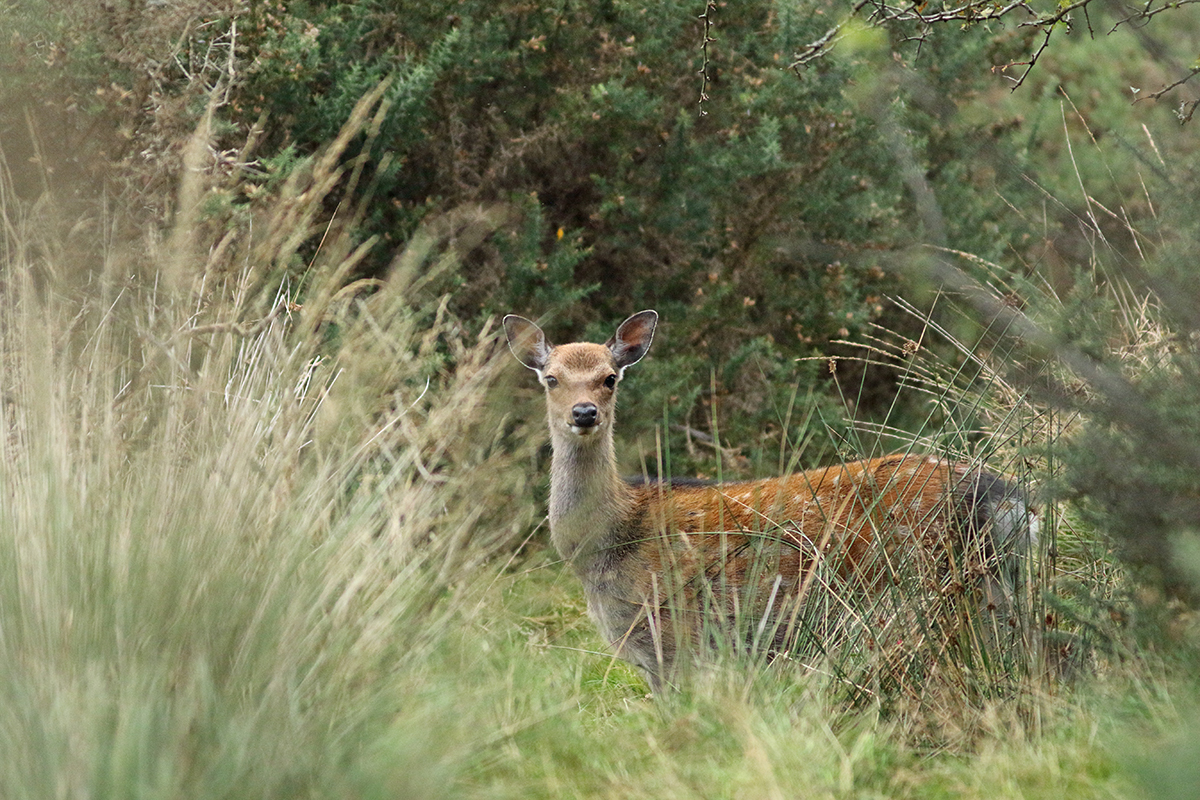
(762, 225)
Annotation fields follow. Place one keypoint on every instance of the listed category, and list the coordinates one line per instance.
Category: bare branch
(1155, 95)
(710, 8)
(1062, 15)
(885, 13)
(1032, 60)
(1149, 11)
(820, 47)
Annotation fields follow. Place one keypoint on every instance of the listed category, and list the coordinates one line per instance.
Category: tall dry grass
(240, 522)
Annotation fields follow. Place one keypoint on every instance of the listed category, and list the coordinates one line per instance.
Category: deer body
(666, 567)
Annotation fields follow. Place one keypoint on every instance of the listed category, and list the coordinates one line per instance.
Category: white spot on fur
(1035, 529)
(1015, 527)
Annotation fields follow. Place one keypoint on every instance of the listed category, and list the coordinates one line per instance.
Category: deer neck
(588, 499)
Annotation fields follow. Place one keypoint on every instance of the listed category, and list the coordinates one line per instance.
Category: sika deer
(669, 567)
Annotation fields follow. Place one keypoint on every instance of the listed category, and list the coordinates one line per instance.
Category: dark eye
(551, 381)
(610, 382)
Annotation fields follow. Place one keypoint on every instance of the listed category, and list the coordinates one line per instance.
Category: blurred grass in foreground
(235, 534)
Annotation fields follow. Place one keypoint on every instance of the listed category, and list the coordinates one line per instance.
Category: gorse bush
(762, 229)
(766, 224)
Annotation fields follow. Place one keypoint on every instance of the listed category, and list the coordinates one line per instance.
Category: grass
(782, 732)
(251, 547)
(206, 593)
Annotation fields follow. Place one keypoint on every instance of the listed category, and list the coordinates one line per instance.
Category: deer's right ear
(527, 342)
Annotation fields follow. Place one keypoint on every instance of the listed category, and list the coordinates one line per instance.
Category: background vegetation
(269, 512)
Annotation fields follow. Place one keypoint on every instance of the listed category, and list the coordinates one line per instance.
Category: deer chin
(585, 433)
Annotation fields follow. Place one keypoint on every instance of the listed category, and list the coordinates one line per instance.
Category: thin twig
(1029, 65)
(1155, 95)
(882, 13)
(1147, 12)
(710, 7)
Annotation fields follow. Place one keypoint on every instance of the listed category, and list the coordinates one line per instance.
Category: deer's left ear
(633, 338)
(527, 342)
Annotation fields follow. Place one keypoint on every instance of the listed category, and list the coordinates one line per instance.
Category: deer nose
(583, 415)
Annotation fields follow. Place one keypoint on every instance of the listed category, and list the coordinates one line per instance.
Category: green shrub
(759, 229)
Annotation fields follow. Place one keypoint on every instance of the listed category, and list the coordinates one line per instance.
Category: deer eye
(610, 382)
(551, 381)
